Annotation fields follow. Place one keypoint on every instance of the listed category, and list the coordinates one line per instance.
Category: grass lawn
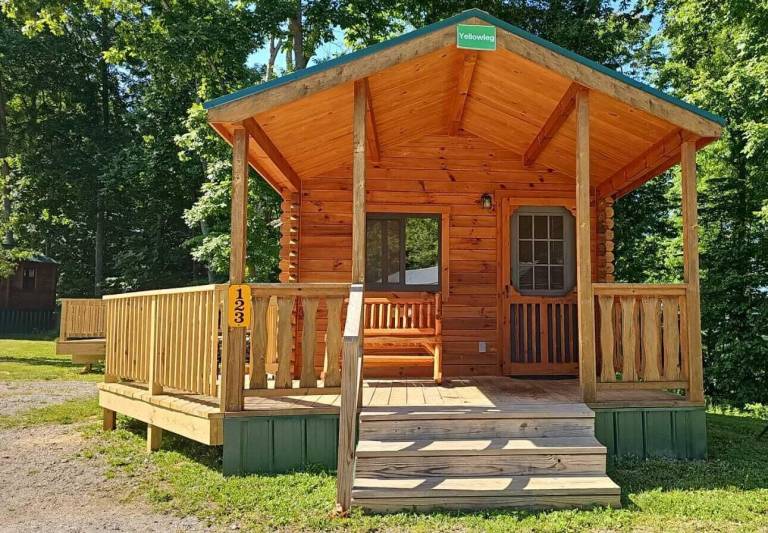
(729, 492)
(32, 359)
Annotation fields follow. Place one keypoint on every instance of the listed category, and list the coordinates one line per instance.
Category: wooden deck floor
(199, 418)
(489, 392)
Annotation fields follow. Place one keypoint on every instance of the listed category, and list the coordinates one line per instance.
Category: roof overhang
(660, 120)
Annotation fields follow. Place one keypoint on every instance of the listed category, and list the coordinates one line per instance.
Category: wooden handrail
(352, 366)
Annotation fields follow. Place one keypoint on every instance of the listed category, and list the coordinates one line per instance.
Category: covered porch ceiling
(520, 97)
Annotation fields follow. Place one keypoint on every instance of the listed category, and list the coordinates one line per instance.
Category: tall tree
(718, 58)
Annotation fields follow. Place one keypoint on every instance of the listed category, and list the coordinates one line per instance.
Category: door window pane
(526, 277)
(526, 252)
(526, 225)
(556, 252)
(543, 258)
(556, 227)
(540, 227)
(541, 278)
(556, 278)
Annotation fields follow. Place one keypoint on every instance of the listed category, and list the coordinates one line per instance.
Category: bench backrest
(402, 313)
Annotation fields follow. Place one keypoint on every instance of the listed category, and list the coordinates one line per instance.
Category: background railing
(82, 318)
(351, 391)
(166, 338)
(642, 333)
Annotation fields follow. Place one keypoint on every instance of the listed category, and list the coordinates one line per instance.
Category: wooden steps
(532, 456)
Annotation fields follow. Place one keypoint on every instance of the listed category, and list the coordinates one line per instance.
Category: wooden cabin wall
(437, 170)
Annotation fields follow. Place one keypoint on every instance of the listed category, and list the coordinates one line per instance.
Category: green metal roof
(470, 13)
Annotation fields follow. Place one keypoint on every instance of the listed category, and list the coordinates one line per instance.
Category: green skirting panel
(274, 444)
(676, 432)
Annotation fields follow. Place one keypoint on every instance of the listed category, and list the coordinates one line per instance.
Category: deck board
(479, 392)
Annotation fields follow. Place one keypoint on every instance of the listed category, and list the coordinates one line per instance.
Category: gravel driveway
(19, 396)
(46, 487)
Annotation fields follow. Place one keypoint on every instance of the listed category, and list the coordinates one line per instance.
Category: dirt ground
(18, 396)
(46, 487)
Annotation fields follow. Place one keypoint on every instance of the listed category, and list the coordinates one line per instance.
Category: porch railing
(641, 336)
(173, 338)
(276, 307)
(82, 318)
(166, 338)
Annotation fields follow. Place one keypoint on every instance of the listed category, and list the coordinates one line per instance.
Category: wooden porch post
(233, 349)
(586, 301)
(358, 198)
(358, 182)
(691, 269)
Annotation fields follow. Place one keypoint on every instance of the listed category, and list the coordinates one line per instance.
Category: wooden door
(538, 332)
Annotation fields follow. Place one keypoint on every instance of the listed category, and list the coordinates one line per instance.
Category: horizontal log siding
(438, 171)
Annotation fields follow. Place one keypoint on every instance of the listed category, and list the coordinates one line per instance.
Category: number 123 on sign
(239, 306)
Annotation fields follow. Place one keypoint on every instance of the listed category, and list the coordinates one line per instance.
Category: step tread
(552, 410)
(479, 446)
(489, 486)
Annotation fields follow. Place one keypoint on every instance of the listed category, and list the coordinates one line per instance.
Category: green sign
(475, 37)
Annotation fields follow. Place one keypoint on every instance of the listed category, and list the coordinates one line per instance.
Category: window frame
(24, 278)
(569, 249)
(402, 286)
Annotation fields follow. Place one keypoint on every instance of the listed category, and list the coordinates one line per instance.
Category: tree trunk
(204, 231)
(99, 241)
(297, 32)
(274, 48)
(5, 171)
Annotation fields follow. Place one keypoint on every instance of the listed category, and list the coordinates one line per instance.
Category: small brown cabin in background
(32, 287)
(28, 296)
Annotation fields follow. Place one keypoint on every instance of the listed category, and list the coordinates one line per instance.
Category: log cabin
(28, 296)
(447, 331)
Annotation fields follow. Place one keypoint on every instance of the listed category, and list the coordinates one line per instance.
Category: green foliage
(718, 58)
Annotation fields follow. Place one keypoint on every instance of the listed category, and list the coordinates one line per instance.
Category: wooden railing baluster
(333, 343)
(257, 378)
(308, 377)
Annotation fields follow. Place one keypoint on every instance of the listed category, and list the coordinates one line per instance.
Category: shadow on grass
(736, 460)
(208, 456)
(48, 361)
(39, 336)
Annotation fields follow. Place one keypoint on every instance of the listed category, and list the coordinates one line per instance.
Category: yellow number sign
(239, 306)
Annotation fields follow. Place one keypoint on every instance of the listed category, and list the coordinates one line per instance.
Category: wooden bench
(82, 330)
(403, 320)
